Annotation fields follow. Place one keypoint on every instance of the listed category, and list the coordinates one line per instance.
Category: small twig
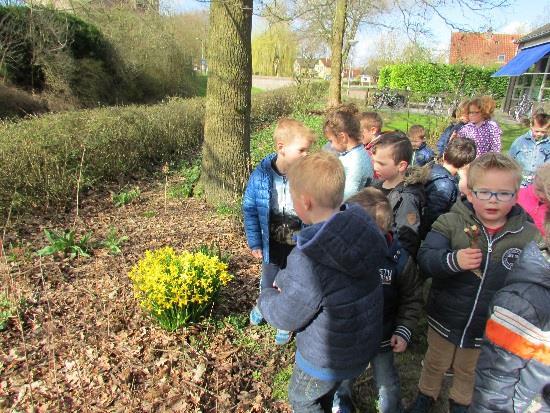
(78, 185)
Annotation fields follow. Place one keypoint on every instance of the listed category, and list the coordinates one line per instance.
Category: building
(529, 70)
(322, 68)
(304, 67)
(482, 49)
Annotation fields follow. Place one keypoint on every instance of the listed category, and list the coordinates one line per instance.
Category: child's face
(300, 204)
(416, 141)
(293, 150)
(384, 165)
(474, 114)
(539, 132)
(367, 133)
(463, 179)
(492, 212)
(336, 141)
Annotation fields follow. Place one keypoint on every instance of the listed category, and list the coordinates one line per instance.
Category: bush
(431, 78)
(176, 289)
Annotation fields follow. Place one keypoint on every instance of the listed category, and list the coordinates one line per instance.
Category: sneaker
(422, 404)
(256, 317)
(282, 337)
(457, 408)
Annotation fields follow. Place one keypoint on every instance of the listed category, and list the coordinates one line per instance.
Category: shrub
(67, 244)
(176, 289)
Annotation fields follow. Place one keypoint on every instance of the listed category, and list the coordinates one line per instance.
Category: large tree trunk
(338, 29)
(226, 148)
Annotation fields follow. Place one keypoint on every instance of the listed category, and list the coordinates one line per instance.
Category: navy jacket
(330, 295)
(446, 135)
(441, 191)
(422, 155)
(514, 367)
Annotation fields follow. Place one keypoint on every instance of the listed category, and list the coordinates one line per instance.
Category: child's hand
(398, 343)
(469, 258)
(257, 254)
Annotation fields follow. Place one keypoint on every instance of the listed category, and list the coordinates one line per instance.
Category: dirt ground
(80, 342)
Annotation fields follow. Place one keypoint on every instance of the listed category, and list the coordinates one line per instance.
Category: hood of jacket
(532, 267)
(349, 242)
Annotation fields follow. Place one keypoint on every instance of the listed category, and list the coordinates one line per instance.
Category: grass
(280, 383)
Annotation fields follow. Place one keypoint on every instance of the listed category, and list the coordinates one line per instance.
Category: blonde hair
(493, 161)
(462, 109)
(376, 204)
(321, 176)
(486, 105)
(369, 120)
(344, 119)
(287, 130)
(417, 131)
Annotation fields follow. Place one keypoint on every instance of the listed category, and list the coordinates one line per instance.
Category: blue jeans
(387, 383)
(307, 394)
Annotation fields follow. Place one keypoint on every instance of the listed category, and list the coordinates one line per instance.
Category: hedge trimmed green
(41, 157)
(433, 78)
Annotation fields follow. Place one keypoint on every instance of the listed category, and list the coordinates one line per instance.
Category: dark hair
(541, 119)
(460, 152)
(344, 119)
(376, 204)
(371, 119)
(402, 149)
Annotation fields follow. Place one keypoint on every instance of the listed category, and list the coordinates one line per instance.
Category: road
(271, 82)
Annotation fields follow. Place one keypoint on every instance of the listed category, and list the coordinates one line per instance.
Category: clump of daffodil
(177, 288)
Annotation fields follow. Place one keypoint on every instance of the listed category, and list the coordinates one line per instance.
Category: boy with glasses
(468, 254)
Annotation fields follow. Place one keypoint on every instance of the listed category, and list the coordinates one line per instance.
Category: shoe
(256, 317)
(282, 337)
(422, 404)
(457, 408)
(342, 405)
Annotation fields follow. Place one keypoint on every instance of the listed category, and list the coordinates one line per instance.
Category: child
(441, 187)
(460, 114)
(535, 198)
(343, 131)
(481, 129)
(330, 291)
(371, 128)
(392, 153)
(270, 220)
(422, 154)
(468, 253)
(533, 148)
(402, 301)
(513, 371)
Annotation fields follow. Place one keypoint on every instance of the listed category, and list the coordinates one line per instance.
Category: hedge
(41, 157)
(432, 78)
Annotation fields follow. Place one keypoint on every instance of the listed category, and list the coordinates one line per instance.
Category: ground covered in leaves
(78, 341)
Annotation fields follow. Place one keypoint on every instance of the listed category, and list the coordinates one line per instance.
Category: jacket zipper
(490, 242)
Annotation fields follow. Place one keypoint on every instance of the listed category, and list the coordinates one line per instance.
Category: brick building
(482, 49)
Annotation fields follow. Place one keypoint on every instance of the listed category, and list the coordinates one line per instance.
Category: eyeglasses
(500, 196)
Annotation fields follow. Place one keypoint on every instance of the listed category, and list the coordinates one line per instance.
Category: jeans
(278, 254)
(387, 383)
(307, 394)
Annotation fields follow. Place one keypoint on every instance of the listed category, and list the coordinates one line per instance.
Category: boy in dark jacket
(270, 221)
(391, 153)
(513, 371)
(468, 253)
(422, 153)
(403, 302)
(441, 187)
(330, 291)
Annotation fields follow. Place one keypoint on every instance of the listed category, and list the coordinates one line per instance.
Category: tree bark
(226, 147)
(338, 29)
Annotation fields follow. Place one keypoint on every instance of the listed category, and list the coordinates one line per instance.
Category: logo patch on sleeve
(509, 257)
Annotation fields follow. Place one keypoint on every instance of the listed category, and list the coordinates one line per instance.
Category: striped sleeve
(518, 336)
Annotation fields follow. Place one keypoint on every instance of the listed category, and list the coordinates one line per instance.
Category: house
(529, 70)
(355, 72)
(482, 49)
(322, 68)
(304, 67)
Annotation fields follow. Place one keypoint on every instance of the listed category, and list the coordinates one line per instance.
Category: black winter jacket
(459, 300)
(514, 366)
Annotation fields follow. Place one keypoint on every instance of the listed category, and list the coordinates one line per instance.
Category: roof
(535, 34)
(482, 48)
(325, 61)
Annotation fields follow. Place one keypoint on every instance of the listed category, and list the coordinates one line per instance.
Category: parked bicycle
(522, 109)
(389, 98)
(435, 104)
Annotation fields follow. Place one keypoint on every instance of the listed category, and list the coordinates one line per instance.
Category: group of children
(348, 235)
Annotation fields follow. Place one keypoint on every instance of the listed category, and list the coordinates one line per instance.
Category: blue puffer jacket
(422, 155)
(256, 206)
(446, 135)
(330, 294)
(530, 154)
(441, 191)
(513, 371)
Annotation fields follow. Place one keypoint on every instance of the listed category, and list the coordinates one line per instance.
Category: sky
(521, 16)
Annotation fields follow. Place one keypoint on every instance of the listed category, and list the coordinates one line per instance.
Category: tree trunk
(338, 28)
(226, 147)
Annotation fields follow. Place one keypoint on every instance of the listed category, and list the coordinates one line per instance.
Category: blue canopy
(523, 60)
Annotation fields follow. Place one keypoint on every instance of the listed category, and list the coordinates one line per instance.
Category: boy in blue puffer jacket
(330, 291)
(270, 221)
(422, 153)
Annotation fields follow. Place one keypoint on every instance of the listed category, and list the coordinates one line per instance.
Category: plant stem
(78, 184)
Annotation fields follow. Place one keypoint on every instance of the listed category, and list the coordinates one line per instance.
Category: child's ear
(306, 200)
(402, 166)
(279, 145)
